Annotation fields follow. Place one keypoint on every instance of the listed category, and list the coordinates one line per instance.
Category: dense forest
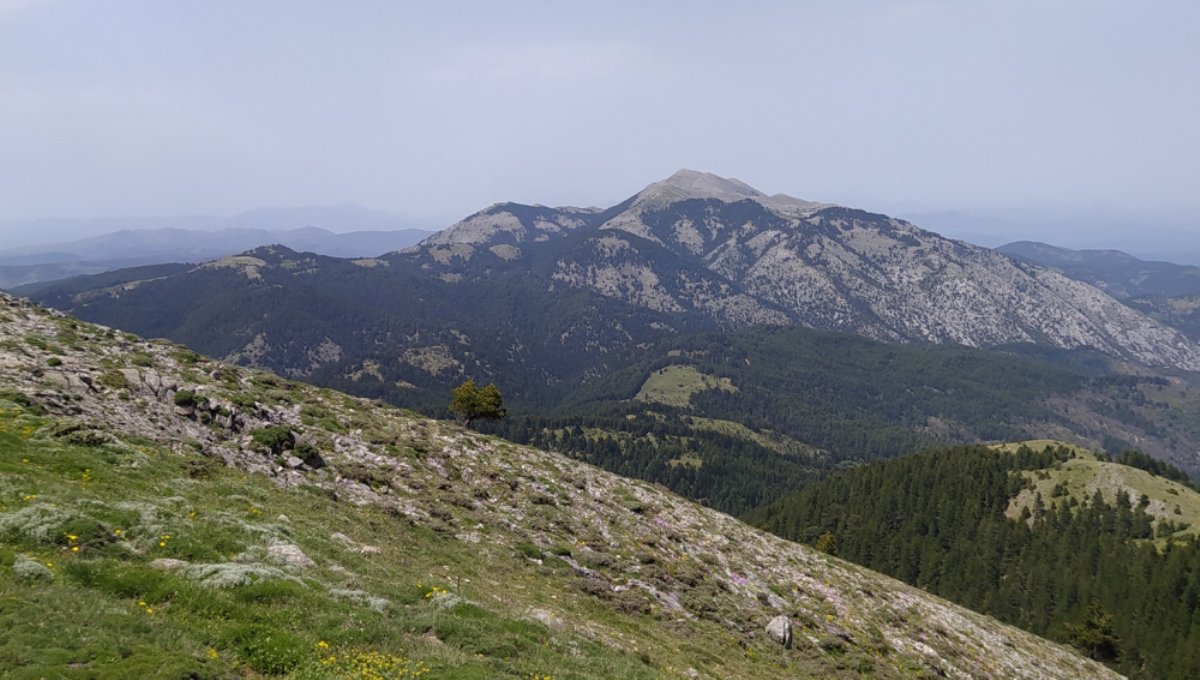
(856, 397)
(1100, 575)
(727, 472)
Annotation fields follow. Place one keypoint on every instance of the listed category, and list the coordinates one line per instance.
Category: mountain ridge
(747, 261)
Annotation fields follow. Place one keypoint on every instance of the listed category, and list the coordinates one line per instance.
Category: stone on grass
(289, 555)
(780, 630)
(29, 570)
(168, 564)
(546, 618)
(233, 574)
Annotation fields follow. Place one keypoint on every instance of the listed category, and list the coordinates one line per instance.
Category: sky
(1077, 108)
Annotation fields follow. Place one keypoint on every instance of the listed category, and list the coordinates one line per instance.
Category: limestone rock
(29, 570)
(289, 555)
(780, 630)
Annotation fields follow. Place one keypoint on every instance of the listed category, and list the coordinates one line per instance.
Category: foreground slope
(212, 520)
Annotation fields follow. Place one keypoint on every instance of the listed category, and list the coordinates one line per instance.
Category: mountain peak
(686, 184)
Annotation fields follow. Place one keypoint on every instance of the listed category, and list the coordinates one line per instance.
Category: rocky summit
(704, 244)
(161, 512)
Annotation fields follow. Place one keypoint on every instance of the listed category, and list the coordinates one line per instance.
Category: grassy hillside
(1060, 541)
(1076, 481)
(163, 515)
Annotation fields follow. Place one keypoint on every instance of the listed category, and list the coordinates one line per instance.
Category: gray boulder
(780, 630)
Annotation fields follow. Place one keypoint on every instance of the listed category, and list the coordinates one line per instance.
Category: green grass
(1084, 475)
(769, 440)
(675, 385)
(106, 612)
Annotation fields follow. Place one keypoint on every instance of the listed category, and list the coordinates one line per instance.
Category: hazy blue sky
(116, 108)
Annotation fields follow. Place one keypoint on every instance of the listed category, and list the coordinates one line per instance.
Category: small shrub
(310, 455)
(185, 398)
(54, 361)
(277, 438)
(113, 380)
(202, 468)
(186, 357)
(529, 550)
(365, 474)
(243, 400)
(23, 400)
(267, 649)
(141, 359)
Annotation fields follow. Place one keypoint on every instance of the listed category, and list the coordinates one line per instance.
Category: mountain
(574, 316)
(384, 328)
(1095, 551)
(1169, 292)
(22, 234)
(137, 247)
(166, 514)
(716, 248)
(715, 251)
(1120, 274)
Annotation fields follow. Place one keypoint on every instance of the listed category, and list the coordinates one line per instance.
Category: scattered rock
(838, 632)
(780, 630)
(232, 574)
(361, 597)
(351, 543)
(28, 570)
(289, 555)
(546, 618)
(168, 564)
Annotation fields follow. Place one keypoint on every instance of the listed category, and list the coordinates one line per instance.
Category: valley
(210, 520)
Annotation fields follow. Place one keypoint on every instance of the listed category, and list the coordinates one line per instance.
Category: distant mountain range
(1118, 273)
(575, 312)
(1167, 291)
(136, 247)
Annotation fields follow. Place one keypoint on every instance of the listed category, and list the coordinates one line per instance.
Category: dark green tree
(826, 543)
(470, 403)
(1094, 635)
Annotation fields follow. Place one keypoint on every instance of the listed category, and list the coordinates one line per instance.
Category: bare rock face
(780, 630)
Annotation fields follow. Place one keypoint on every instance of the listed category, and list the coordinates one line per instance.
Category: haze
(1075, 119)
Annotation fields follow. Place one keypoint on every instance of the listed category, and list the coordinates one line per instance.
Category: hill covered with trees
(1023, 535)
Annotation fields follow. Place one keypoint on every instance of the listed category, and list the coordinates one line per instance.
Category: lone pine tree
(470, 403)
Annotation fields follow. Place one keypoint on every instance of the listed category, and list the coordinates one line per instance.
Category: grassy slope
(434, 552)
(675, 385)
(1084, 475)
